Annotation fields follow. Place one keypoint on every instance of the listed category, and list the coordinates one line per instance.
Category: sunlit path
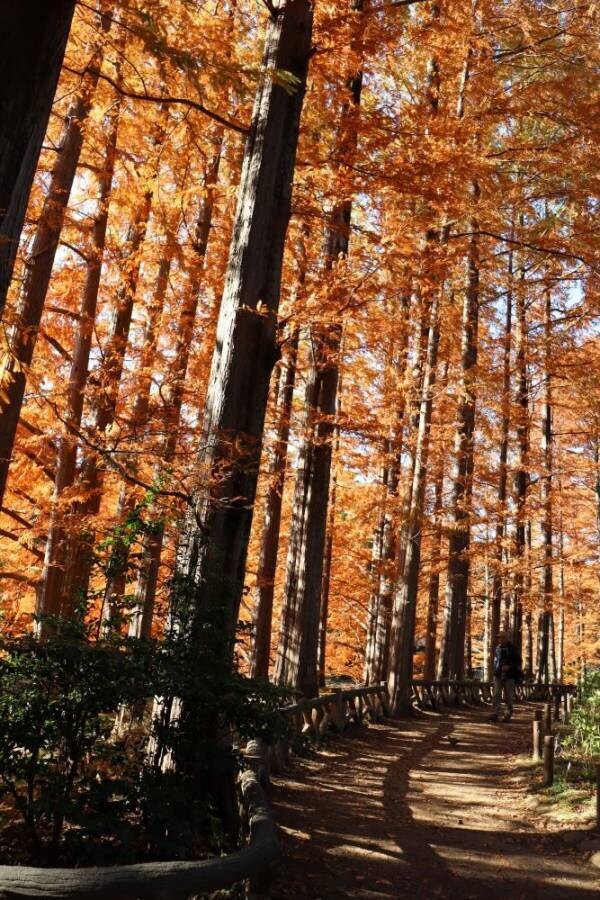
(399, 810)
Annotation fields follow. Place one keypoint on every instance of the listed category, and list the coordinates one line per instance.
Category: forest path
(397, 811)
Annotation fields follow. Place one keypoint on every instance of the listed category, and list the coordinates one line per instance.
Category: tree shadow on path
(456, 812)
(397, 811)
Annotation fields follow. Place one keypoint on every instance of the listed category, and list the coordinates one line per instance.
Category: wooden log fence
(308, 719)
(151, 881)
(435, 694)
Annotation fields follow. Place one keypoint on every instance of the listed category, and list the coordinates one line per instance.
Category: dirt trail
(398, 811)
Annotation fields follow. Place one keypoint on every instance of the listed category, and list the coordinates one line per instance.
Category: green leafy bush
(97, 768)
(584, 738)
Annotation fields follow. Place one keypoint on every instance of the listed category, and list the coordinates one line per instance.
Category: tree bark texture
(380, 601)
(545, 669)
(147, 580)
(297, 656)
(407, 581)
(39, 264)
(49, 595)
(212, 552)
(451, 663)
(501, 529)
(521, 486)
(263, 609)
(34, 36)
(80, 553)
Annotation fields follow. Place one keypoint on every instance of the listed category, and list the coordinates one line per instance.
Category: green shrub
(584, 738)
(89, 791)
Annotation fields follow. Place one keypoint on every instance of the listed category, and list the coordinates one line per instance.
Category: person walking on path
(507, 666)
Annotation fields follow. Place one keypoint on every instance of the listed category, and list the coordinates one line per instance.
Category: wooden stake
(548, 760)
(548, 718)
(536, 753)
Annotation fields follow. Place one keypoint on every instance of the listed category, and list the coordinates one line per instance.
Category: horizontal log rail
(308, 719)
(445, 692)
(176, 880)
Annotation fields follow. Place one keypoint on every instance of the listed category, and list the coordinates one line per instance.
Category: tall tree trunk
(433, 593)
(487, 619)
(49, 594)
(328, 555)
(451, 662)
(41, 259)
(501, 525)
(80, 554)
(116, 577)
(263, 609)
(380, 602)
(297, 656)
(407, 582)
(34, 37)
(212, 552)
(522, 462)
(545, 631)
(147, 581)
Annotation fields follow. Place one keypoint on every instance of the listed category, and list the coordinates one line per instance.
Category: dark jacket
(507, 655)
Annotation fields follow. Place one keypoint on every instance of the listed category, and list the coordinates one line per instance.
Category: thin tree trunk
(501, 525)
(34, 37)
(406, 587)
(116, 579)
(451, 663)
(49, 595)
(546, 586)
(327, 559)
(147, 580)
(80, 555)
(41, 259)
(380, 603)
(263, 610)
(487, 621)
(433, 597)
(212, 552)
(522, 463)
(451, 658)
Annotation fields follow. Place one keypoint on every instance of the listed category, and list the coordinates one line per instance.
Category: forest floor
(398, 811)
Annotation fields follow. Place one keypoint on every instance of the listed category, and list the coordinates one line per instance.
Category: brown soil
(398, 811)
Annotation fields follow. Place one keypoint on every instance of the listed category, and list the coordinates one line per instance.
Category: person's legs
(509, 693)
(497, 696)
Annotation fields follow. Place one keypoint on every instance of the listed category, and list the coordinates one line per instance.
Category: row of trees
(360, 415)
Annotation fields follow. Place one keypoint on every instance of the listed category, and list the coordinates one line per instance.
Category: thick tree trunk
(41, 260)
(263, 610)
(501, 525)
(62, 524)
(407, 582)
(451, 662)
(212, 552)
(33, 40)
(297, 656)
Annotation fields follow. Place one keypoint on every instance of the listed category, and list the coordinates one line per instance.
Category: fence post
(548, 718)
(548, 760)
(557, 699)
(537, 735)
(598, 797)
